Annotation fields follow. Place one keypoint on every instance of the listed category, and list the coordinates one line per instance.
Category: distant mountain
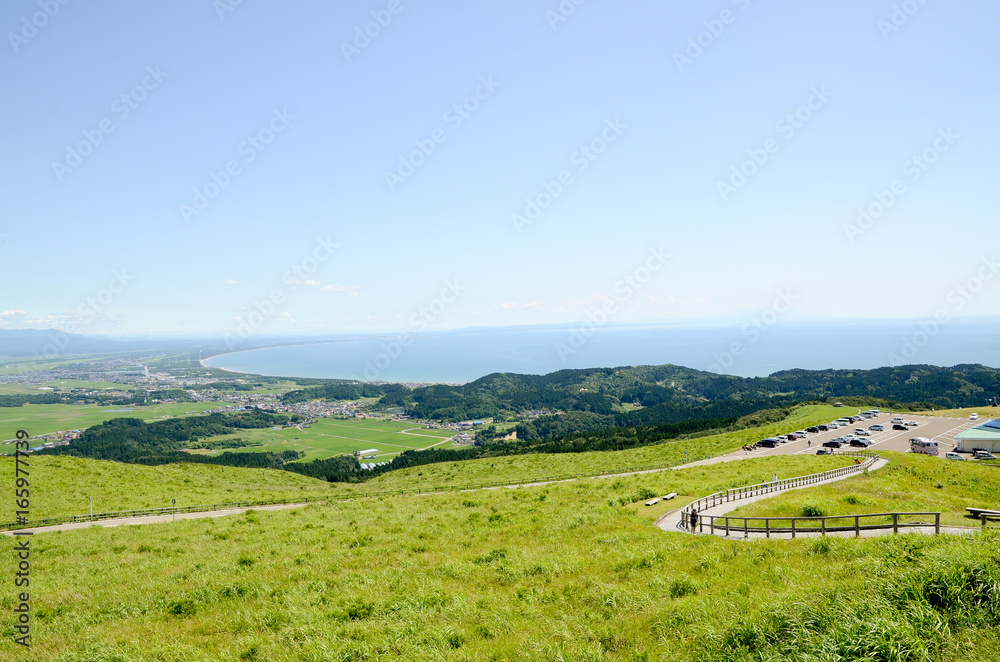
(668, 393)
(31, 342)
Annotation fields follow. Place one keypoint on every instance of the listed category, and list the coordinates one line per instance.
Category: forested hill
(667, 392)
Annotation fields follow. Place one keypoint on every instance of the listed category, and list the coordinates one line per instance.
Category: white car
(898, 419)
(974, 417)
(861, 432)
(953, 456)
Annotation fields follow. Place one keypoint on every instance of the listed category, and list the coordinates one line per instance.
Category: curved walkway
(152, 519)
(672, 521)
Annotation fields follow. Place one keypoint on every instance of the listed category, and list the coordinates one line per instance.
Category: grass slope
(911, 482)
(525, 468)
(560, 572)
(61, 485)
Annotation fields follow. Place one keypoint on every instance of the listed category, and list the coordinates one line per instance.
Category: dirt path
(154, 519)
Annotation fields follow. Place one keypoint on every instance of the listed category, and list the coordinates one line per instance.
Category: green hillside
(561, 572)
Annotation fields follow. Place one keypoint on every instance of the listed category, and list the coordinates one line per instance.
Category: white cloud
(352, 290)
(230, 281)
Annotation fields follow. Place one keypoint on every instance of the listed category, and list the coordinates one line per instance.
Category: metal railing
(865, 460)
(792, 525)
(987, 517)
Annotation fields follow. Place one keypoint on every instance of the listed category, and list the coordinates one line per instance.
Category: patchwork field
(328, 437)
(46, 419)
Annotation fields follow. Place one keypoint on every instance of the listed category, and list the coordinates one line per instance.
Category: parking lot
(935, 428)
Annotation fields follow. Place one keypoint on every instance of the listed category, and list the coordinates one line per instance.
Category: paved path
(154, 519)
(672, 520)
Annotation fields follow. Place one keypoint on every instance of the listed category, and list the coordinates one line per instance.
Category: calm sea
(462, 356)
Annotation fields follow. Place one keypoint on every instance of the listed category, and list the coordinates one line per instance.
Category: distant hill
(669, 393)
(31, 342)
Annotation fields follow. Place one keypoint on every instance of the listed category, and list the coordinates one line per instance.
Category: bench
(653, 502)
(977, 512)
(670, 496)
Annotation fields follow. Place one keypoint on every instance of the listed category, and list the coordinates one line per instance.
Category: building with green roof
(985, 436)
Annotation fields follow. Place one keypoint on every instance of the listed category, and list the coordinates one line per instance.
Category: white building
(985, 436)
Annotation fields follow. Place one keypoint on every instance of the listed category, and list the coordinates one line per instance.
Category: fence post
(793, 528)
(895, 522)
(857, 526)
(822, 522)
(767, 526)
(937, 524)
(746, 528)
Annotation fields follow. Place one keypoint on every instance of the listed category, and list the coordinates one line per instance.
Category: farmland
(46, 419)
(328, 437)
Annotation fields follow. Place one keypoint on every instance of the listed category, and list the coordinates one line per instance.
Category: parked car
(983, 455)
(824, 451)
(974, 417)
(861, 443)
(910, 424)
(953, 456)
(897, 419)
(898, 426)
(770, 442)
(833, 443)
(801, 434)
(878, 427)
(823, 428)
(861, 432)
(814, 429)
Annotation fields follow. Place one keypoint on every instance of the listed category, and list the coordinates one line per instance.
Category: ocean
(465, 355)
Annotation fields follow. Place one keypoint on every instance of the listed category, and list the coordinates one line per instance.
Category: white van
(923, 445)
(953, 456)
(898, 419)
(878, 427)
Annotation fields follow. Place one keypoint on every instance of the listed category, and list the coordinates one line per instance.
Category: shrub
(811, 510)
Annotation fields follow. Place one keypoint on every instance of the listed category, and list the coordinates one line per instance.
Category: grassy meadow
(559, 572)
(526, 468)
(911, 482)
(61, 485)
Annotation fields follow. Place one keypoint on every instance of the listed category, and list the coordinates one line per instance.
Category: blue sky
(119, 117)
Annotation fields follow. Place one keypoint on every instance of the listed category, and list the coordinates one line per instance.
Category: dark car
(898, 426)
(823, 428)
(814, 429)
(831, 444)
(863, 443)
(770, 442)
(824, 451)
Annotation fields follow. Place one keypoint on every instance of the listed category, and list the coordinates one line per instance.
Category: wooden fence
(794, 525)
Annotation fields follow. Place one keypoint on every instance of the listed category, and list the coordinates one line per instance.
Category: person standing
(693, 519)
